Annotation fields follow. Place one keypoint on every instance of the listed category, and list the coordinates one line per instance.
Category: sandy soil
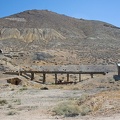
(36, 104)
(28, 103)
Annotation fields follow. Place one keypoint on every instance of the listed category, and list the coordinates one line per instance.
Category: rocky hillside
(43, 29)
(34, 25)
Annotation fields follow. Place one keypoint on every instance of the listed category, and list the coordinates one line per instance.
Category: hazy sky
(103, 10)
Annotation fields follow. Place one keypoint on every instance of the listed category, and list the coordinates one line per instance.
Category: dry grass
(3, 102)
(90, 104)
(104, 101)
(11, 113)
(67, 109)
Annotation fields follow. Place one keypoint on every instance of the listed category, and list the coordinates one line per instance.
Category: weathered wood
(67, 77)
(79, 77)
(91, 75)
(44, 78)
(65, 69)
(20, 73)
(56, 78)
(118, 67)
(70, 82)
(63, 72)
(32, 75)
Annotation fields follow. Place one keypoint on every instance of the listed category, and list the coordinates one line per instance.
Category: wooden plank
(63, 72)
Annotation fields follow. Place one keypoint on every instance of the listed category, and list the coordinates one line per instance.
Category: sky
(102, 10)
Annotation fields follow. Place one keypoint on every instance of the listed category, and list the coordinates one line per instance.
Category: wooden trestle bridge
(66, 69)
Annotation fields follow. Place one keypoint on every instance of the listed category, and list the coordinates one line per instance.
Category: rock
(44, 88)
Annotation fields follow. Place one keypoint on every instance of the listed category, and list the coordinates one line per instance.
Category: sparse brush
(9, 106)
(24, 88)
(85, 109)
(83, 98)
(75, 88)
(11, 113)
(18, 101)
(3, 102)
(12, 89)
(111, 81)
(67, 109)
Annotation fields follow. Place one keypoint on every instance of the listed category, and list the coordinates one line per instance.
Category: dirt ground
(29, 102)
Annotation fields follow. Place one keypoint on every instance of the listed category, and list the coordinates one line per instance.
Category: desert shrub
(96, 103)
(75, 88)
(89, 104)
(12, 89)
(11, 113)
(85, 109)
(111, 81)
(67, 109)
(9, 106)
(83, 98)
(17, 101)
(3, 102)
(24, 88)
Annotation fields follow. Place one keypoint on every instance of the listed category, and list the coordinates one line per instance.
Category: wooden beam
(44, 78)
(20, 73)
(79, 77)
(118, 70)
(55, 78)
(91, 75)
(32, 75)
(67, 77)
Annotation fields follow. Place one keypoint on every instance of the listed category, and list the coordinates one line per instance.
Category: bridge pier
(79, 77)
(55, 78)
(20, 73)
(91, 75)
(32, 75)
(44, 78)
(67, 77)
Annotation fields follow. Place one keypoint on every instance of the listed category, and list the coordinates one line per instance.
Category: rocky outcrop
(30, 34)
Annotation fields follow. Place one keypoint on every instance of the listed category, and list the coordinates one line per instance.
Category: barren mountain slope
(91, 41)
(67, 26)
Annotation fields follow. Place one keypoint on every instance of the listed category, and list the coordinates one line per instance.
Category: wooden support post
(118, 70)
(79, 77)
(91, 75)
(44, 78)
(20, 73)
(32, 75)
(67, 77)
(55, 78)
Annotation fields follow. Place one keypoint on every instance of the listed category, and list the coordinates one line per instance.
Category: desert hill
(37, 21)
(42, 29)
